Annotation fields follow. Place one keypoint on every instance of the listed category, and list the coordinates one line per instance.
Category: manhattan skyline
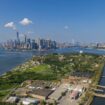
(60, 20)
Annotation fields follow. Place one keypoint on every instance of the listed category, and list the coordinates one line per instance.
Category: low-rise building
(21, 92)
(28, 101)
(12, 99)
(57, 94)
(74, 95)
(41, 94)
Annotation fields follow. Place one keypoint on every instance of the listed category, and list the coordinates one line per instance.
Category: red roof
(74, 94)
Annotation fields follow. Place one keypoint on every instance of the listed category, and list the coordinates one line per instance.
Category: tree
(43, 102)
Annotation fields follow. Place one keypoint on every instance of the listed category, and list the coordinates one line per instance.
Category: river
(9, 60)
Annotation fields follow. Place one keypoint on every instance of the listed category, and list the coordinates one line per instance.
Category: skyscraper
(18, 39)
(25, 36)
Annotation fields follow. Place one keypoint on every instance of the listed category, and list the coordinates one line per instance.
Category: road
(67, 101)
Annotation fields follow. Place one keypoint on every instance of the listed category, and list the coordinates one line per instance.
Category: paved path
(67, 101)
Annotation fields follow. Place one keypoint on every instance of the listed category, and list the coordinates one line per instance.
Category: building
(34, 45)
(57, 94)
(21, 92)
(25, 38)
(12, 99)
(28, 101)
(18, 40)
(29, 44)
(74, 95)
(41, 94)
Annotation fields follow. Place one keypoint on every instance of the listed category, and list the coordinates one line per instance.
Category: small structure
(28, 101)
(12, 99)
(79, 88)
(74, 95)
(28, 82)
(85, 81)
(21, 92)
(80, 51)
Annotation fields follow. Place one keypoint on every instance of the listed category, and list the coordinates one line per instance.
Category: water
(9, 60)
(97, 100)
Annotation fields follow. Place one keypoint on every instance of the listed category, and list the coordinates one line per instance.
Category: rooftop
(41, 92)
(58, 92)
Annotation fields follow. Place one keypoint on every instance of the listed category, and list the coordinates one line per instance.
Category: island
(53, 79)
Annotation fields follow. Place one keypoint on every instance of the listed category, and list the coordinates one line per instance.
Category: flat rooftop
(41, 92)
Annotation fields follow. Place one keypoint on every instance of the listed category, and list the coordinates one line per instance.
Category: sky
(60, 20)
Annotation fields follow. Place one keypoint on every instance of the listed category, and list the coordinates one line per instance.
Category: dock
(100, 86)
(98, 90)
(102, 95)
(98, 95)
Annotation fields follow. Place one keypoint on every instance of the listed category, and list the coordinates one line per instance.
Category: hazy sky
(62, 20)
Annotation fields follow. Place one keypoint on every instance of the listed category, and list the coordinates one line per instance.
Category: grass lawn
(39, 68)
(3, 94)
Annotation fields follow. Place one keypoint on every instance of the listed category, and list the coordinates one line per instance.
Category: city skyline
(29, 44)
(60, 20)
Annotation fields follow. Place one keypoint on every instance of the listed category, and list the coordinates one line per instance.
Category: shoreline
(99, 79)
(12, 69)
(91, 97)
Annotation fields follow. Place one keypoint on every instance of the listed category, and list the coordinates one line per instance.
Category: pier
(102, 95)
(100, 86)
(98, 90)
(98, 95)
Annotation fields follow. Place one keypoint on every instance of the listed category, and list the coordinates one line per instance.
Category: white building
(28, 101)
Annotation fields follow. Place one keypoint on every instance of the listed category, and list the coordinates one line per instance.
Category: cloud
(66, 27)
(10, 25)
(25, 22)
